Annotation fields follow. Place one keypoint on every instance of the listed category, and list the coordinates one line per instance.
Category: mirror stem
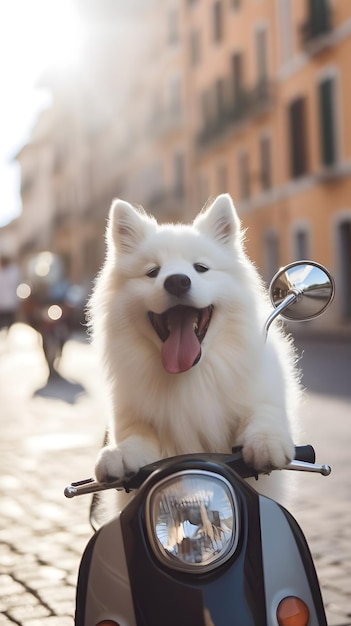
(290, 299)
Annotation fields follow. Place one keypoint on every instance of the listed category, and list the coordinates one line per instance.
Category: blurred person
(51, 305)
(9, 280)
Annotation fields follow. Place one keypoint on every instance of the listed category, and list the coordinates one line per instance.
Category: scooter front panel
(285, 566)
(108, 593)
(230, 595)
(122, 578)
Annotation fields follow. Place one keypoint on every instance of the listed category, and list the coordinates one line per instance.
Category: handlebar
(304, 461)
(305, 454)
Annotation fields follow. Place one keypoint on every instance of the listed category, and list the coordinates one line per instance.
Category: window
(175, 96)
(195, 48)
(327, 121)
(261, 55)
(222, 178)
(301, 245)
(237, 75)
(244, 176)
(179, 173)
(285, 30)
(265, 159)
(298, 139)
(203, 189)
(345, 259)
(152, 179)
(318, 17)
(217, 21)
(155, 108)
(219, 89)
(173, 34)
(271, 255)
(235, 4)
(206, 108)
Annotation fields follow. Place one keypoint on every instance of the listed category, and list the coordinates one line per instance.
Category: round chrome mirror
(312, 285)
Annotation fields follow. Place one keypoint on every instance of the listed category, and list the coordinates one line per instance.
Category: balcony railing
(317, 27)
(249, 103)
(165, 122)
(167, 201)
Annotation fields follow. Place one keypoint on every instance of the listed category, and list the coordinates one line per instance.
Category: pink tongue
(182, 347)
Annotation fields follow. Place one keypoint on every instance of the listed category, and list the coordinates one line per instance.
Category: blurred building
(180, 100)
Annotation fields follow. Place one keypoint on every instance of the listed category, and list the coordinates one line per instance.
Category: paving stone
(9, 586)
(5, 621)
(15, 599)
(49, 621)
(22, 613)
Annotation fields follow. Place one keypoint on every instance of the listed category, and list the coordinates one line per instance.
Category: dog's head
(176, 278)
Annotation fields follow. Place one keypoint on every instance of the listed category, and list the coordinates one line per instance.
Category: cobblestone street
(47, 441)
(51, 437)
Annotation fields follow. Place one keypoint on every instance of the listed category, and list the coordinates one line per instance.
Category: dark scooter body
(197, 545)
(122, 577)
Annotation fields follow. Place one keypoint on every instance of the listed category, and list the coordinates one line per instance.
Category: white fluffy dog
(178, 314)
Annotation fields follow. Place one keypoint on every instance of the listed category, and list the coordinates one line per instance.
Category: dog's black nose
(177, 284)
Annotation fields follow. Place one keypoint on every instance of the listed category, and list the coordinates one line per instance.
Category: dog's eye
(153, 272)
(200, 267)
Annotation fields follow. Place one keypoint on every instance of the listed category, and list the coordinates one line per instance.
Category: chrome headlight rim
(161, 554)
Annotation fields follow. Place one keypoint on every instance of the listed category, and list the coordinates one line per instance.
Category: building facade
(201, 97)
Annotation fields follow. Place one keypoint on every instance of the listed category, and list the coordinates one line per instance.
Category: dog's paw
(138, 452)
(128, 457)
(109, 464)
(266, 450)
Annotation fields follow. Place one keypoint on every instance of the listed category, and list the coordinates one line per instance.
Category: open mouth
(181, 329)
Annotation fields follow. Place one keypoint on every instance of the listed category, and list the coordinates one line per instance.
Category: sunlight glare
(23, 291)
(54, 312)
(64, 39)
(57, 40)
(35, 36)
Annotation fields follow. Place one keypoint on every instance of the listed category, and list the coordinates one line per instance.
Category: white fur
(242, 391)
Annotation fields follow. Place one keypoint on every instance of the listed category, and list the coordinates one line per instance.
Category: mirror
(310, 283)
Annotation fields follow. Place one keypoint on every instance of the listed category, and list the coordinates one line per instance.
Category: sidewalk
(52, 438)
(46, 442)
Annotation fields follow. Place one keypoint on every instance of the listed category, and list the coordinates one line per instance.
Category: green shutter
(327, 130)
(298, 138)
(319, 17)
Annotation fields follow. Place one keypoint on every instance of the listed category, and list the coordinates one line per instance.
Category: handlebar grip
(305, 453)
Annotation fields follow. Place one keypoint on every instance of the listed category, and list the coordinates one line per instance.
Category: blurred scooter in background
(50, 304)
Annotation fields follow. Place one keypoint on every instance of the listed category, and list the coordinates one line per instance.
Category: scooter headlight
(192, 520)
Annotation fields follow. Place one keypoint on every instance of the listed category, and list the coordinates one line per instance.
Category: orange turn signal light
(292, 611)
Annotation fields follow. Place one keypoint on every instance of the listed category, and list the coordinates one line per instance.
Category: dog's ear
(127, 226)
(220, 220)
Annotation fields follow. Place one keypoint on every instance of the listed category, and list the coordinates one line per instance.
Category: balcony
(316, 32)
(249, 104)
(334, 173)
(167, 203)
(165, 122)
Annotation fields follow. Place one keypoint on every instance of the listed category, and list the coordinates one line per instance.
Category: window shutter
(298, 142)
(327, 131)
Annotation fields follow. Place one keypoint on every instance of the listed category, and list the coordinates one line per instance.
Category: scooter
(197, 545)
